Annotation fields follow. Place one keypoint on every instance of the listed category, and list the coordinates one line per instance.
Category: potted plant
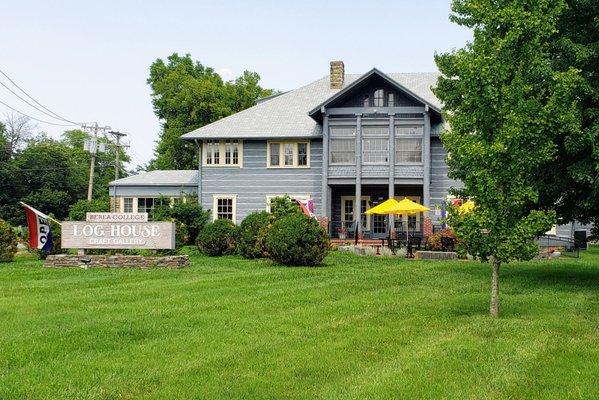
(342, 232)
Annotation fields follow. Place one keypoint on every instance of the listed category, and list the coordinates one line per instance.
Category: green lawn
(357, 328)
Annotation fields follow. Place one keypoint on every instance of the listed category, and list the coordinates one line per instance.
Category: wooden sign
(116, 217)
(117, 235)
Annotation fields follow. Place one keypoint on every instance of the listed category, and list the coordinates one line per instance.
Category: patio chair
(447, 244)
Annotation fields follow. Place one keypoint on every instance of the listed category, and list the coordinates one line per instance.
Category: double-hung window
(375, 144)
(288, 154)
(223, 152)
(224, 206)
(408, 144)
(128, 204)
(342, 145)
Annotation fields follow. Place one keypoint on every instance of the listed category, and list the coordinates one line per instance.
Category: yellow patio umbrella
(467, 207)
(385, 208)
(392, 206)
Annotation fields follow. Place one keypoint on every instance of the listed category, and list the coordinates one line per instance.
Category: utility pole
(117, 166)
(93, 149)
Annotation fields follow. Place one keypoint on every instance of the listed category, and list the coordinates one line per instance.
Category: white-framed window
(288, 154)
(228, 153)
(269, 198)
(128, 204)
(379, 98)
(224, 206)
(408, 150)
(390, 100)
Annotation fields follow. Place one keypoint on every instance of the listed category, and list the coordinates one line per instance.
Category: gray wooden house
(345, 141)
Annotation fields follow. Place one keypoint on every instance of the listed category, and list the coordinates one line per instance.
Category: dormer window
(379, 98)
(366, 100)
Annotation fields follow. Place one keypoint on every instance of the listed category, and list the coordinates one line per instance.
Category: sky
(89, 60)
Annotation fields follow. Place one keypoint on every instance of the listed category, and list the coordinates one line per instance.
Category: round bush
(250, 243)
(297, 240)
(218, 238)
(8, 242)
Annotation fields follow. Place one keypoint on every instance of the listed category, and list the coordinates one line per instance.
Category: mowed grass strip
(358, 327)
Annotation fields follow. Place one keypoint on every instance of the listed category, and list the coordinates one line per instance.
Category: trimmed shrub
(252, 232)
(8, 242)
(297, 240)
(190, 216)
(218, 238)
(282, 206)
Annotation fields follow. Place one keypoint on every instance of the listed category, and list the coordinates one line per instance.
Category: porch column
(325, 168)
(426, 160)
(358, 201)
(199, 145)
(391, 169)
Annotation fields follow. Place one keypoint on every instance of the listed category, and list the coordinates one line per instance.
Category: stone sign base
(115, 261)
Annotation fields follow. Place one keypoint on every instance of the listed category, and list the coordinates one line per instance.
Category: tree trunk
(494, 309)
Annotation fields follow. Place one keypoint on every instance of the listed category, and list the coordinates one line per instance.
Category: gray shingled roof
(286, 116)
(160, 178)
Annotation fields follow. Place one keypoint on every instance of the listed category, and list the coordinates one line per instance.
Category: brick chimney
(337, 74)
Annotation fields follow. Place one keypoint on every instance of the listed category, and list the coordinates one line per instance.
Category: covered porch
(345, 211)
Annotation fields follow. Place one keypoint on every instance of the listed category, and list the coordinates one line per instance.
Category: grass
(357, 328)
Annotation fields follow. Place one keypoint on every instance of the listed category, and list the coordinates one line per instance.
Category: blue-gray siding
(254, 181)
(440, 183)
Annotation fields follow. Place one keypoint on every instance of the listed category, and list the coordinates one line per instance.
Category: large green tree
(51, 175)
(506, 105)
(187, 95)
(572, 177)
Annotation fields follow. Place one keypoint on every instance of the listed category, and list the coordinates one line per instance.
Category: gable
(362, 93)
(372, 93)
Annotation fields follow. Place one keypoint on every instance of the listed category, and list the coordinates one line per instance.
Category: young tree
(505, 105)
(187, 95)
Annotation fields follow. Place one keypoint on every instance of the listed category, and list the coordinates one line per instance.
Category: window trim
(421, 162)
(282, 144)
(221, 154)
(216, 197)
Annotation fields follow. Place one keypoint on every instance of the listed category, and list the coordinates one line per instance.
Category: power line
(36, 119)
(57, 116)
(31, 105)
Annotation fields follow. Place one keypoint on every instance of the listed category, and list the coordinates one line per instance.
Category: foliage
(252, 233)
(77, 211)
(433, 242)
(282, 206)
(51, 175)
(218, 238)
(505, 104)
(296, 239)
(189, 215)
(187, 95)
(571, 178)
(8, 242)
